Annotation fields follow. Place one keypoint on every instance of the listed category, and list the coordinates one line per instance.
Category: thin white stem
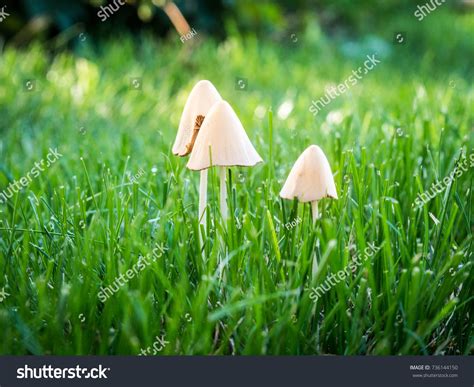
(223, 193)
(314, 269)
(314, 210)
(203, 197)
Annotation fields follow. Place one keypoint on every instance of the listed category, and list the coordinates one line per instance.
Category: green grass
(247, 292)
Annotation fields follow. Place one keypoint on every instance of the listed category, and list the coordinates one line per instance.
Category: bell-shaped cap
(224, 134)
(310, 178)
(202, 97)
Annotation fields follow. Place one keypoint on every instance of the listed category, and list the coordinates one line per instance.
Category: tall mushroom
(202, 97)
(310, 179)
(222, 133)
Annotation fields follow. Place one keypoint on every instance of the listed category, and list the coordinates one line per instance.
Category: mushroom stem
(203, 197)
(223, 193)
(314, 210)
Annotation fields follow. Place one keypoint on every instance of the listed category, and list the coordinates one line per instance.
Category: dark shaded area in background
(32, 19)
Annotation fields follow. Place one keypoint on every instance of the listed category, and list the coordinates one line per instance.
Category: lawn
(112, 109)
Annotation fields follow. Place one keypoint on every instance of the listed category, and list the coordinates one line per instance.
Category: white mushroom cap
(223, 132)
(310, 178)
(200, 100)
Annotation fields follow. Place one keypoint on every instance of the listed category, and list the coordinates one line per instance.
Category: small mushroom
(202, 97)
(223, 138)
(310, 179)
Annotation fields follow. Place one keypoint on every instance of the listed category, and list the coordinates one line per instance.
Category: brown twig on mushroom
(197, 126)
(230, 146)
(202, 97)
(310, 179)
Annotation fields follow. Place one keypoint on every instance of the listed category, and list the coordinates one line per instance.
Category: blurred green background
(373, 24)
(215, 17)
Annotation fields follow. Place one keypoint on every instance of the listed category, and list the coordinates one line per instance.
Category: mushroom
(310, 179)
(202, 97)
(223, 138)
